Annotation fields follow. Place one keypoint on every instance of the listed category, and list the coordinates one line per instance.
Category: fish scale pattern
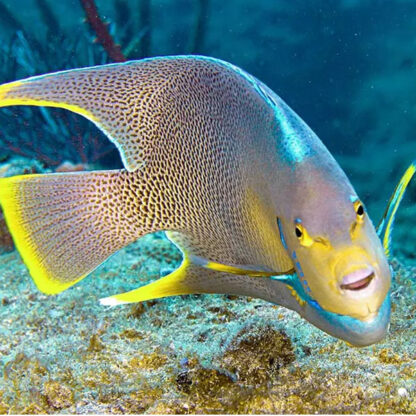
(69, 222)
(195, 137)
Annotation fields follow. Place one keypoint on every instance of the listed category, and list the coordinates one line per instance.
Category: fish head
(339, 260)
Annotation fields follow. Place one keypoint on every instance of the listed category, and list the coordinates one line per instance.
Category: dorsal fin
(385, 227)
(131, 102)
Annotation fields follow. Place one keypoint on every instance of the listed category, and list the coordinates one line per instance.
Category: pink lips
(358, 279)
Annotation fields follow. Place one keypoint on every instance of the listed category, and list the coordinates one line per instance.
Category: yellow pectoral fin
(245, 270)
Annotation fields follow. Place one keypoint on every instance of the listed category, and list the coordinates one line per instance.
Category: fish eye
(302, 235)
(359, 210)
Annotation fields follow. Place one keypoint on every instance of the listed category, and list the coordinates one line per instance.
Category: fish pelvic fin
(385, 227)
(66, 224)
(245, 270)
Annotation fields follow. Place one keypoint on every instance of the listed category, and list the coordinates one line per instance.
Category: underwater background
(348, 68)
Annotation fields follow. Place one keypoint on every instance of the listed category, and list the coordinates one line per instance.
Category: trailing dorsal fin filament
(385, 227)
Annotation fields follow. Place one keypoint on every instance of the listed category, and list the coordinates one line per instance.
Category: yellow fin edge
(5, 89)
(21, 237)
(219, 267)
(240, 270)
(392, 207)
(170, 285)
(6, 100)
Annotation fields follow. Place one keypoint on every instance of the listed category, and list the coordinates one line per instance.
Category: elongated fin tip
(5, 89)
(111, 301)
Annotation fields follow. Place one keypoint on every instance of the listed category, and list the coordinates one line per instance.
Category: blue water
(347, 67)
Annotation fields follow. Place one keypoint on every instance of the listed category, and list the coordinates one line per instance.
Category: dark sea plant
(53, 136)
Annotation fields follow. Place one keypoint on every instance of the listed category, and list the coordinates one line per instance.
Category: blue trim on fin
(293, 281)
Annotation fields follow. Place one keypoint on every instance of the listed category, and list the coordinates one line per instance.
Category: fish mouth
(355, 331)
(358, 280)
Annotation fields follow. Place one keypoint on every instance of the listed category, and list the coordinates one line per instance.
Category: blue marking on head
(353, 198)
(355, 330)
(315, 304)
(291, 129)
(282, 237)
(288, 279)
(294, 254)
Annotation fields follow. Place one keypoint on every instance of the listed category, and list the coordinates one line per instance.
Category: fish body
(213, 157)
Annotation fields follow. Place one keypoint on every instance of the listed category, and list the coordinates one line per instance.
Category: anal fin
(179, 282)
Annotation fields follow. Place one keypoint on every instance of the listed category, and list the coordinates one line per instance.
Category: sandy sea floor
(188, 354)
